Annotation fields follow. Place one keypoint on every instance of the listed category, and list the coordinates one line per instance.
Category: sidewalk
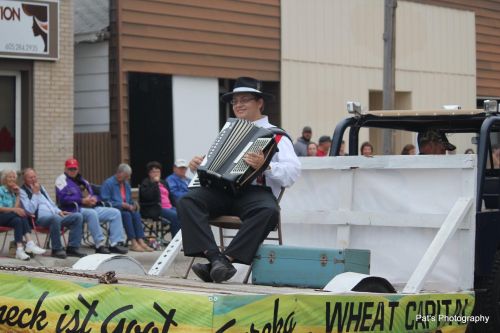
(147, 259)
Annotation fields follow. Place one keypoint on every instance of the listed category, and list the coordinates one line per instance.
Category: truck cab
(485, 126)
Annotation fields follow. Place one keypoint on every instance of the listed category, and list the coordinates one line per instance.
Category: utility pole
(389, 67)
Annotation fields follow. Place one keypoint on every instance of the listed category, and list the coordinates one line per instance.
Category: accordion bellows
(224, 167)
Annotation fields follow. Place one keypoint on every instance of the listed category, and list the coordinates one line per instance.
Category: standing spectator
(37, 202)
(156, 199)
(13, 216)
(75, 194)
(408, 149)
(312, 149)
(342, 149)
(177, 181)
(324, 145)
(116, 190)
(300, 145)
(495, 151)
(366, 149)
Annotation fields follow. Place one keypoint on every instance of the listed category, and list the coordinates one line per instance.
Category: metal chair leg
(4, 240)
(63, 233)
(280, 235)
(247, 276)
(189, 267)
(221, 237)
(47, 241)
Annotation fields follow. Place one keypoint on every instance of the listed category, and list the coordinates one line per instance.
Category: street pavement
(146, 259)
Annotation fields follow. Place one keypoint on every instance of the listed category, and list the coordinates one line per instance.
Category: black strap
(30, 193)
(279, 131)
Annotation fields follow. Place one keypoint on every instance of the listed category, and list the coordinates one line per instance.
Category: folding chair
(86, 236)
(5, 230)
(234, 223)
(46, 230)
(156, 227)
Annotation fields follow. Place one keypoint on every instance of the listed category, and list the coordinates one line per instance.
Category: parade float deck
(421, 243)
(44, 302)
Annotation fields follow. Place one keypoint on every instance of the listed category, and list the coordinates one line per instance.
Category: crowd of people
(27, 204)
(429, 142)
(304, 146)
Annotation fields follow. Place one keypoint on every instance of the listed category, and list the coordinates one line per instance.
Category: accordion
(223, 167)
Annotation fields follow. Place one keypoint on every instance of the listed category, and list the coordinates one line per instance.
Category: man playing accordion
(256, 204)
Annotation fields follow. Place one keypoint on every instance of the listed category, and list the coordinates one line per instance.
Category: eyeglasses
(243, 100)
(72, 169)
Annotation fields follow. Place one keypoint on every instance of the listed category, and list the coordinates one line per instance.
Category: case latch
(272, 257)
(323, 260)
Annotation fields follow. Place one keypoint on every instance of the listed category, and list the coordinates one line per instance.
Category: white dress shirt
(285, 165)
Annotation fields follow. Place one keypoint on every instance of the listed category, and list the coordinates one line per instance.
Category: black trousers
(256, 207)
(21, 225)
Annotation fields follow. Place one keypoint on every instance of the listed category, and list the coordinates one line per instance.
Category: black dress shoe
(61, 254)
(222, 270)
(118, 249)
(202, 271)
(74, 252)
(102, 249)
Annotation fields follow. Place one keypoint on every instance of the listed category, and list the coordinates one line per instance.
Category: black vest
(30, 195)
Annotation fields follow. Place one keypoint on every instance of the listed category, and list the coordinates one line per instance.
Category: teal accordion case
(282, 265)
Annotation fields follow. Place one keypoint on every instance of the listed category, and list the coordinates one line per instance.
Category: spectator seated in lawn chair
(156, 199)
(13, 216)
(75, 194)
(178, 181)
(116, 191)
(38, 203)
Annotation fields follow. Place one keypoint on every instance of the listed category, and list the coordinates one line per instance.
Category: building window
(10, 120)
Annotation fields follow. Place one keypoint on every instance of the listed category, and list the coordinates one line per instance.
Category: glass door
(10, 120)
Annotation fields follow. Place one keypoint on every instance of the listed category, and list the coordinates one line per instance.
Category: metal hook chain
(105, 278)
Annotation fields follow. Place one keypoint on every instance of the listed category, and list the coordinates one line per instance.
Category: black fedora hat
(247, 85)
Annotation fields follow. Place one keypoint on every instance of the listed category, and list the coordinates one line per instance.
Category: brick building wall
(53, 105)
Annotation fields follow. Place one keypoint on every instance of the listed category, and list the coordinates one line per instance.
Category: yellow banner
(43, 305)
(344, 313)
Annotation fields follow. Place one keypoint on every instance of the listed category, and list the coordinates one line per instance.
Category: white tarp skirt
(391, 205)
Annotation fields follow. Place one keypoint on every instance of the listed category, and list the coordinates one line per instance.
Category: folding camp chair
(4, 230)
(46, 230)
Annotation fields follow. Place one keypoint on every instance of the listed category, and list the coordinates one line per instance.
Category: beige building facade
(169, 61)
(336, 53)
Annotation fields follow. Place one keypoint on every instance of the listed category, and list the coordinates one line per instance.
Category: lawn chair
(46, 230)
(4, 230)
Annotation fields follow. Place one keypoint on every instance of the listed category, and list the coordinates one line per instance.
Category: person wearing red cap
(75, 194)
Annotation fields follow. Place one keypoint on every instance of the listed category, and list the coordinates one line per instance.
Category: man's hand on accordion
(255, 160)
(195, 163)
